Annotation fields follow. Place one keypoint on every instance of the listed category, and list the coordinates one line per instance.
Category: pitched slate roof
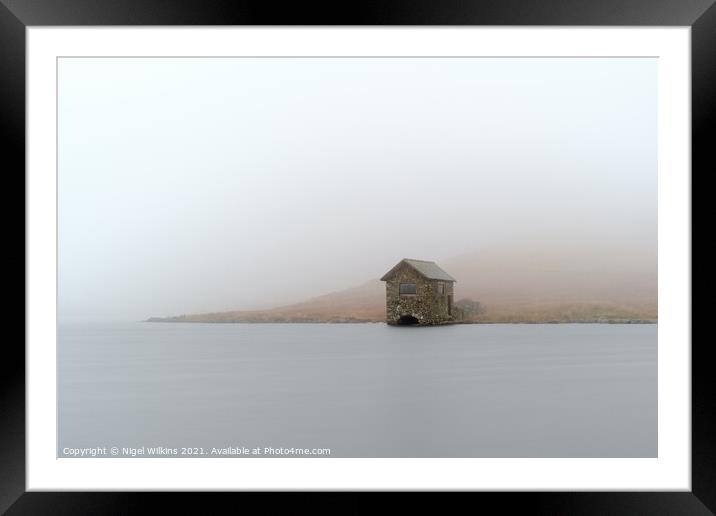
(428, 269)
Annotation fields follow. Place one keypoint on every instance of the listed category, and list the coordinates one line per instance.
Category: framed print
(408, 249)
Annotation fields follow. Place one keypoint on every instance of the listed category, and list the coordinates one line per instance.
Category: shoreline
(316, 321)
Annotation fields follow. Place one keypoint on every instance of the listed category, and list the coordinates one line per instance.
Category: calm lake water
(361, 390)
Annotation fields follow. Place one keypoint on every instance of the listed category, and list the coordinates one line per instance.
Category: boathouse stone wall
(427, 305)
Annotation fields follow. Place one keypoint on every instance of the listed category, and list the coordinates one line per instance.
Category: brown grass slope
(535, 283)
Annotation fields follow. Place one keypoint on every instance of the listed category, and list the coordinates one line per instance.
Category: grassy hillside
(532, 283)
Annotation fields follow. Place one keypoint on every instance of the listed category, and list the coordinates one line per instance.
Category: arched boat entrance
(407, 320)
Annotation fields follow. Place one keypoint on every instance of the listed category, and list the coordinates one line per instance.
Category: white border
(671, 470)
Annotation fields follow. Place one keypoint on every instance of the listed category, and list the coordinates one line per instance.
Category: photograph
(357, 257)
(414, 248)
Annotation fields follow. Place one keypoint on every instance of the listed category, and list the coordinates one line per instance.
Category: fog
(192, 185)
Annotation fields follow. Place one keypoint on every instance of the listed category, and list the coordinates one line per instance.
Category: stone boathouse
(418, 292)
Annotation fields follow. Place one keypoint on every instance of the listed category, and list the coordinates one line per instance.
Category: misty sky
(191, 185)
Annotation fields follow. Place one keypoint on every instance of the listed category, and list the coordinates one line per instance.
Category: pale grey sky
(190, 185)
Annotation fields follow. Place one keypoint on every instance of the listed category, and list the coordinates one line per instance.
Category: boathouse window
(440, 288)
(408, 288)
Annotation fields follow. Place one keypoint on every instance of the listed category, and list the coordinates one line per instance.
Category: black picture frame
(16, 15)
